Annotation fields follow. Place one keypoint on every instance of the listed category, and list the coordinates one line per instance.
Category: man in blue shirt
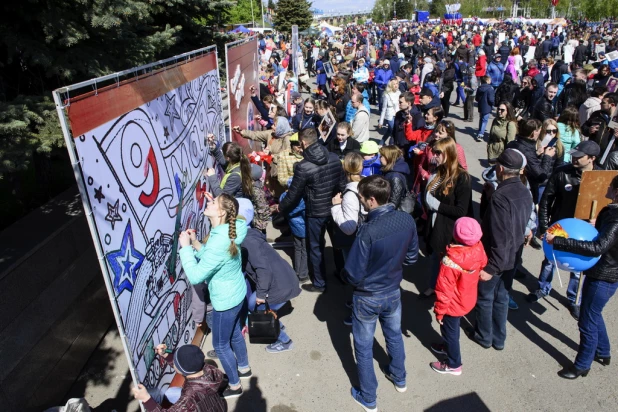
(383, 244)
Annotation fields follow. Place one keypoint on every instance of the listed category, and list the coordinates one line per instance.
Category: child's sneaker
(438, 348)
(442, 367)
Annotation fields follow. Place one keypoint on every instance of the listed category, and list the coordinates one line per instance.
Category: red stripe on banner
(90, 110)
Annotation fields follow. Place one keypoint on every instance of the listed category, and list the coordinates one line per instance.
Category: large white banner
(141, 150)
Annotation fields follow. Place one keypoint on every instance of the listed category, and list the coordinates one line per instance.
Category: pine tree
(271, 4)
(291, 12)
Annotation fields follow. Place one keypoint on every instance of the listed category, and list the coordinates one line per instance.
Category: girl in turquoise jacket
(217, 262)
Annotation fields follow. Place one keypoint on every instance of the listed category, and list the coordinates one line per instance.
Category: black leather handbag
(264, 326)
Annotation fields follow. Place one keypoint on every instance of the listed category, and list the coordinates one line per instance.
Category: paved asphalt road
(317, 374)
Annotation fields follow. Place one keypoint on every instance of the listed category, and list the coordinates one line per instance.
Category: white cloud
(343, 5)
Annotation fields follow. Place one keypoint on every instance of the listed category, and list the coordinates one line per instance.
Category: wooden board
(593, 187)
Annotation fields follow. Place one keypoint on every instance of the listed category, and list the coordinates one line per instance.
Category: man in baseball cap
(504, 228)
(585, 148)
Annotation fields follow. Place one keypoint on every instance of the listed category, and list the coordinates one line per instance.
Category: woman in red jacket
(456, 290)
(481, 65)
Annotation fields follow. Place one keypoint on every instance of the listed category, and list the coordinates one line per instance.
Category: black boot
(573, 373)
(603, 361)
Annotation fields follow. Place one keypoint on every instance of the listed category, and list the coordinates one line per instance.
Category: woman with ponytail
(217, 262)
(237, 180)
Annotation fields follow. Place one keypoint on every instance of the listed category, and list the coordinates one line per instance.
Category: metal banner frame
(229, 101)
(62, 100)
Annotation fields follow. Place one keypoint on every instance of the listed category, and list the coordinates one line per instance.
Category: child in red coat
(456, 290)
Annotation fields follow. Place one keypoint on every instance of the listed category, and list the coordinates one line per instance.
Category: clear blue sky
(343, 5)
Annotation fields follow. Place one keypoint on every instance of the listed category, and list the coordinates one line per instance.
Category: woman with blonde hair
(390, 106)
(220, 267)
(347, 210)
(448, 197)
(518, 60)
(397, 172)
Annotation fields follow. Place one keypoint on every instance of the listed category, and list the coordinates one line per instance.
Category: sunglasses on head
(552, 131)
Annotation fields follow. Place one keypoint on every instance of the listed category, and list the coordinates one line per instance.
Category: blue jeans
(450, 334)
(283, 337)
(492, 308)
(547, 275)
(228, 341)
(593, 339)
(316, 228)
(483, 120)
(365, 314)
(390, 125)
(380, 90)
(461, 94)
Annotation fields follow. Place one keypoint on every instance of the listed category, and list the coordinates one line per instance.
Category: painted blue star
(125, 262)
(170, 110)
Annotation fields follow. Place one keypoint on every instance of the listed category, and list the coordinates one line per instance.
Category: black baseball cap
(425, 91)
(587, 147)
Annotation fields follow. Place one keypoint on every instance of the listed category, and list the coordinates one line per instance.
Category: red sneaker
(442, 367)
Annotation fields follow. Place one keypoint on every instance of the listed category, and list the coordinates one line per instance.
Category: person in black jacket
(596, 127)
(448, 196)
(397, 172)
(544, 107)
(538, 167)
(599, 287)
(580, 54)
(317, 178)
(507, 91)
(558, 202)
(504, 229)
(270, 279)
(343, 144)
(574, 92)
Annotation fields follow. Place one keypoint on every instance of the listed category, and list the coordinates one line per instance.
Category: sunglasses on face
(437, 152)
(552, 131)
(501, 110)
(525, 83)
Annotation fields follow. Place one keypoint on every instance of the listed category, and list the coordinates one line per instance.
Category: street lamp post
(252, 17)
(262, 3)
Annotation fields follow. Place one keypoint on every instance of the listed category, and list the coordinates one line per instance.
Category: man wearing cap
(558, 202)
(495, 70)
(200, 389)
(504, 229)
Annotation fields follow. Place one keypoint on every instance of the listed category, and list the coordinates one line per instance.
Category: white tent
(331, 28)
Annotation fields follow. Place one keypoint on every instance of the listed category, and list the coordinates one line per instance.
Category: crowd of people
(382, 201)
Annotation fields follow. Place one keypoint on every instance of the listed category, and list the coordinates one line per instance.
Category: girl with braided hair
(217, 262)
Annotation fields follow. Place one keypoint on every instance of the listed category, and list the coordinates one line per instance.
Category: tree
(271, 4)
(291, 12)
(47, 44)
(242, 13)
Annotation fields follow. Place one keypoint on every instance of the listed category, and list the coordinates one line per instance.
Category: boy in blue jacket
(296, 220)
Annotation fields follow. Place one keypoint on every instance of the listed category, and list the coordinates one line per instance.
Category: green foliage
(47, 44)
(383, 9)
(291, 12)
(271, 4)
(241, 12)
